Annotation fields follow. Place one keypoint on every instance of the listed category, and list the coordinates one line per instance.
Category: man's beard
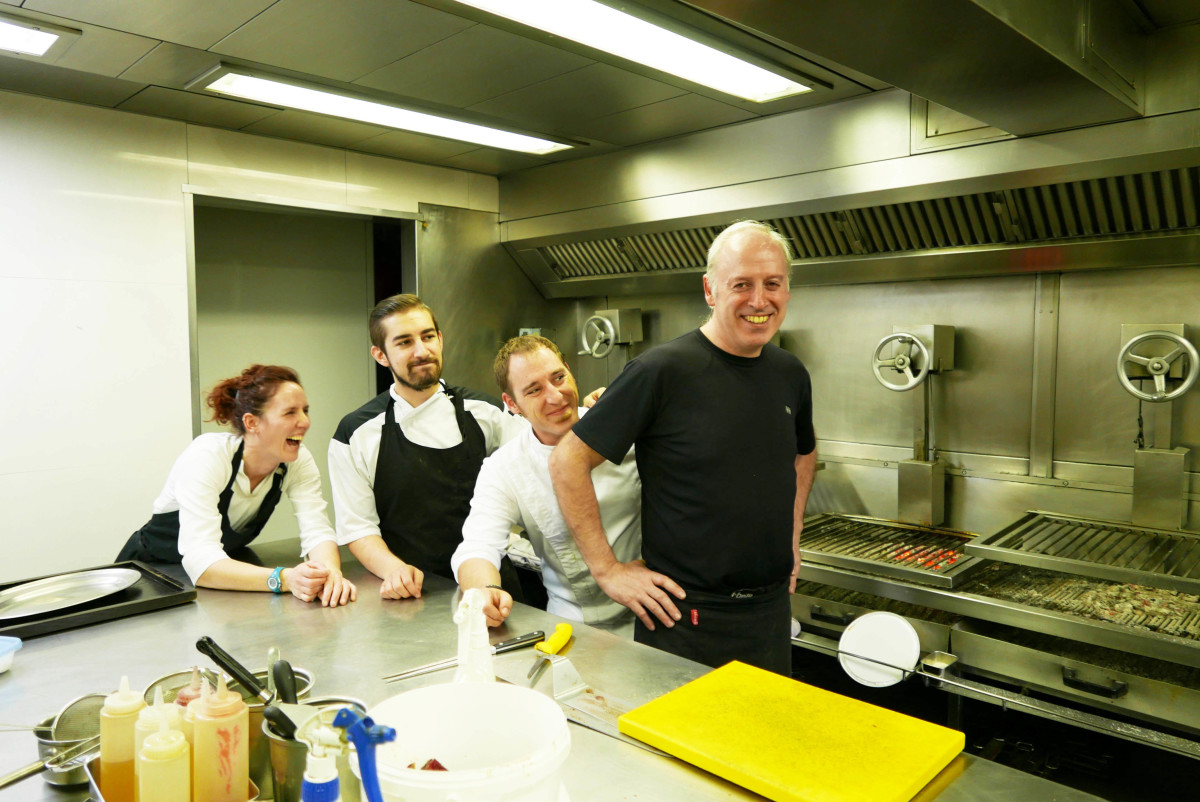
(421, 385)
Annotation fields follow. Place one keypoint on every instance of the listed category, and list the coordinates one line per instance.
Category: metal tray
(1100, 549)
(62, 591)
(150, 591)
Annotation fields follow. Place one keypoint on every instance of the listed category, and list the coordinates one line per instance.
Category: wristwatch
(275, 580)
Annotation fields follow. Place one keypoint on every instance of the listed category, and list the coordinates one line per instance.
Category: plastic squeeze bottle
(190, 691)
(164, 764)
(148, 720)
(117, 720)
(221, 738)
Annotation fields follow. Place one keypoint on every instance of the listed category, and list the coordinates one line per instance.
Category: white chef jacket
(352, 456)
(201, 474)
(514, 489)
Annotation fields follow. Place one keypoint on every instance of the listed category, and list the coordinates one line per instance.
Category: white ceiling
(138, 55)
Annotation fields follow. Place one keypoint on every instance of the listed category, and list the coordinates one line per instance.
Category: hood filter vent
(1123, 206)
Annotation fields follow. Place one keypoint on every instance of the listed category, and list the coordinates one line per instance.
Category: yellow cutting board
(790, 741)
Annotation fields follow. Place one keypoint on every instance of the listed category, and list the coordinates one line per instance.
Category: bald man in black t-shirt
(722, 423)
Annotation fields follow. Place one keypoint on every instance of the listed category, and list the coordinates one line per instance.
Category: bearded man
(403, 465)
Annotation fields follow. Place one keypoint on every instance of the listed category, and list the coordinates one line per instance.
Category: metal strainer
(78, 723)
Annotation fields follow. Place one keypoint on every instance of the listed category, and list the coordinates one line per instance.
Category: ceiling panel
(190, 107)
(17, 75)
(196, 23)
(472, 66)
(414, 147)
(493, 162)
(171, 65)
(1165, 13)
(97, 50)
(343, 40)
(670, 117)
(317, 128)
(585, 94)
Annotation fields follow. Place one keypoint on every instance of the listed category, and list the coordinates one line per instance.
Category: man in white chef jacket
(403, 466)
(514, 489)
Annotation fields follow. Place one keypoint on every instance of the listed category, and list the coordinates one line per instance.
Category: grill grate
(1155, 557)
(907, 551)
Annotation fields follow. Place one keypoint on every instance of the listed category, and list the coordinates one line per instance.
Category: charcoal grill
(905, 551)
(1156, 557)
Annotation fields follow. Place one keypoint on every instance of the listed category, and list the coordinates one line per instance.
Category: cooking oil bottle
(164, 767)
(221, 739)
(117, 720)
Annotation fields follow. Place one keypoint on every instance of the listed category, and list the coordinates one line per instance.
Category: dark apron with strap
(423, 495)
(753, 626)
(158, 540)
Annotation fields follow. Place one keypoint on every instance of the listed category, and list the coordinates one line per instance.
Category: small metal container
(260, 751)
(48, 748)
(289, 757)
(93, 780)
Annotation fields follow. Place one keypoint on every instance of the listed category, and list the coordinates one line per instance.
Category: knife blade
(500, 648)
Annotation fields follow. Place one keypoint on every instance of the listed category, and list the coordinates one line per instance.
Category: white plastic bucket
(498, 743)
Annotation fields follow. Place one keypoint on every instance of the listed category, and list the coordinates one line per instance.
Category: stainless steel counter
(349, 649)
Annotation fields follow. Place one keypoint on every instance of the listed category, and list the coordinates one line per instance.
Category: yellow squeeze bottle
(221, 743)
(148, 720)
(164, 773)
(117, 720)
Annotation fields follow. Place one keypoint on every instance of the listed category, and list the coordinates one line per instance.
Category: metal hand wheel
(598, 337)
(1158, 366)
(901, 363)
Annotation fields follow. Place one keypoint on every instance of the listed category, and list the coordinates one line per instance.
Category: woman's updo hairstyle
(250, 392)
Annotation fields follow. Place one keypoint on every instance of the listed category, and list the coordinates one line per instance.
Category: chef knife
(500, 648)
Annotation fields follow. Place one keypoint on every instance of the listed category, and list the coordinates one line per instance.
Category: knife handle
(517, 643)
(555, 643)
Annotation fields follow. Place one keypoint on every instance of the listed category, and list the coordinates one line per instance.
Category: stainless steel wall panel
(982, 406)
(1097, 419)
(480, 296)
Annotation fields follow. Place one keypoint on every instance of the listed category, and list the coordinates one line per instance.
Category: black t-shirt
(717, 436)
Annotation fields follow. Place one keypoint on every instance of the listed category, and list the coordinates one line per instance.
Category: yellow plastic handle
(555, 643)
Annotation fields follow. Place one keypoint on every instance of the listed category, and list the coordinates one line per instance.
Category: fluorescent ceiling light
(603, 28)
(26, 37)
(322, 101)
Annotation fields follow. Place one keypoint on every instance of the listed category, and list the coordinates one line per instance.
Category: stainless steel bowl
(48, 748)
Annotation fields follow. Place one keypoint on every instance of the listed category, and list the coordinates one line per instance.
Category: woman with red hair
(225, 485)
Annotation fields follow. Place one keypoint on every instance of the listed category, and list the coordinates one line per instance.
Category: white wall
(286, 289)
(94, 350)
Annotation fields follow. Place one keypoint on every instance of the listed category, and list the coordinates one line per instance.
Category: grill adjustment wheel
(901, 363)
(598, 337)
(1158, 366)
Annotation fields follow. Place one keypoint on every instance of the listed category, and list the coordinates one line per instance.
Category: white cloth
(432, 425)
(201, 474)
(514, 489)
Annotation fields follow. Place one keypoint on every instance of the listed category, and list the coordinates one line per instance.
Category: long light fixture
(25, 37)
(604, 28)
(295, 95)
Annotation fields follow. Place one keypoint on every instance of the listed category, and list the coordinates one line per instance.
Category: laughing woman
(225, 486)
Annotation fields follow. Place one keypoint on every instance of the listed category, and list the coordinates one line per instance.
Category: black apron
(158, 540)
(423, 495)
(753, 626)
